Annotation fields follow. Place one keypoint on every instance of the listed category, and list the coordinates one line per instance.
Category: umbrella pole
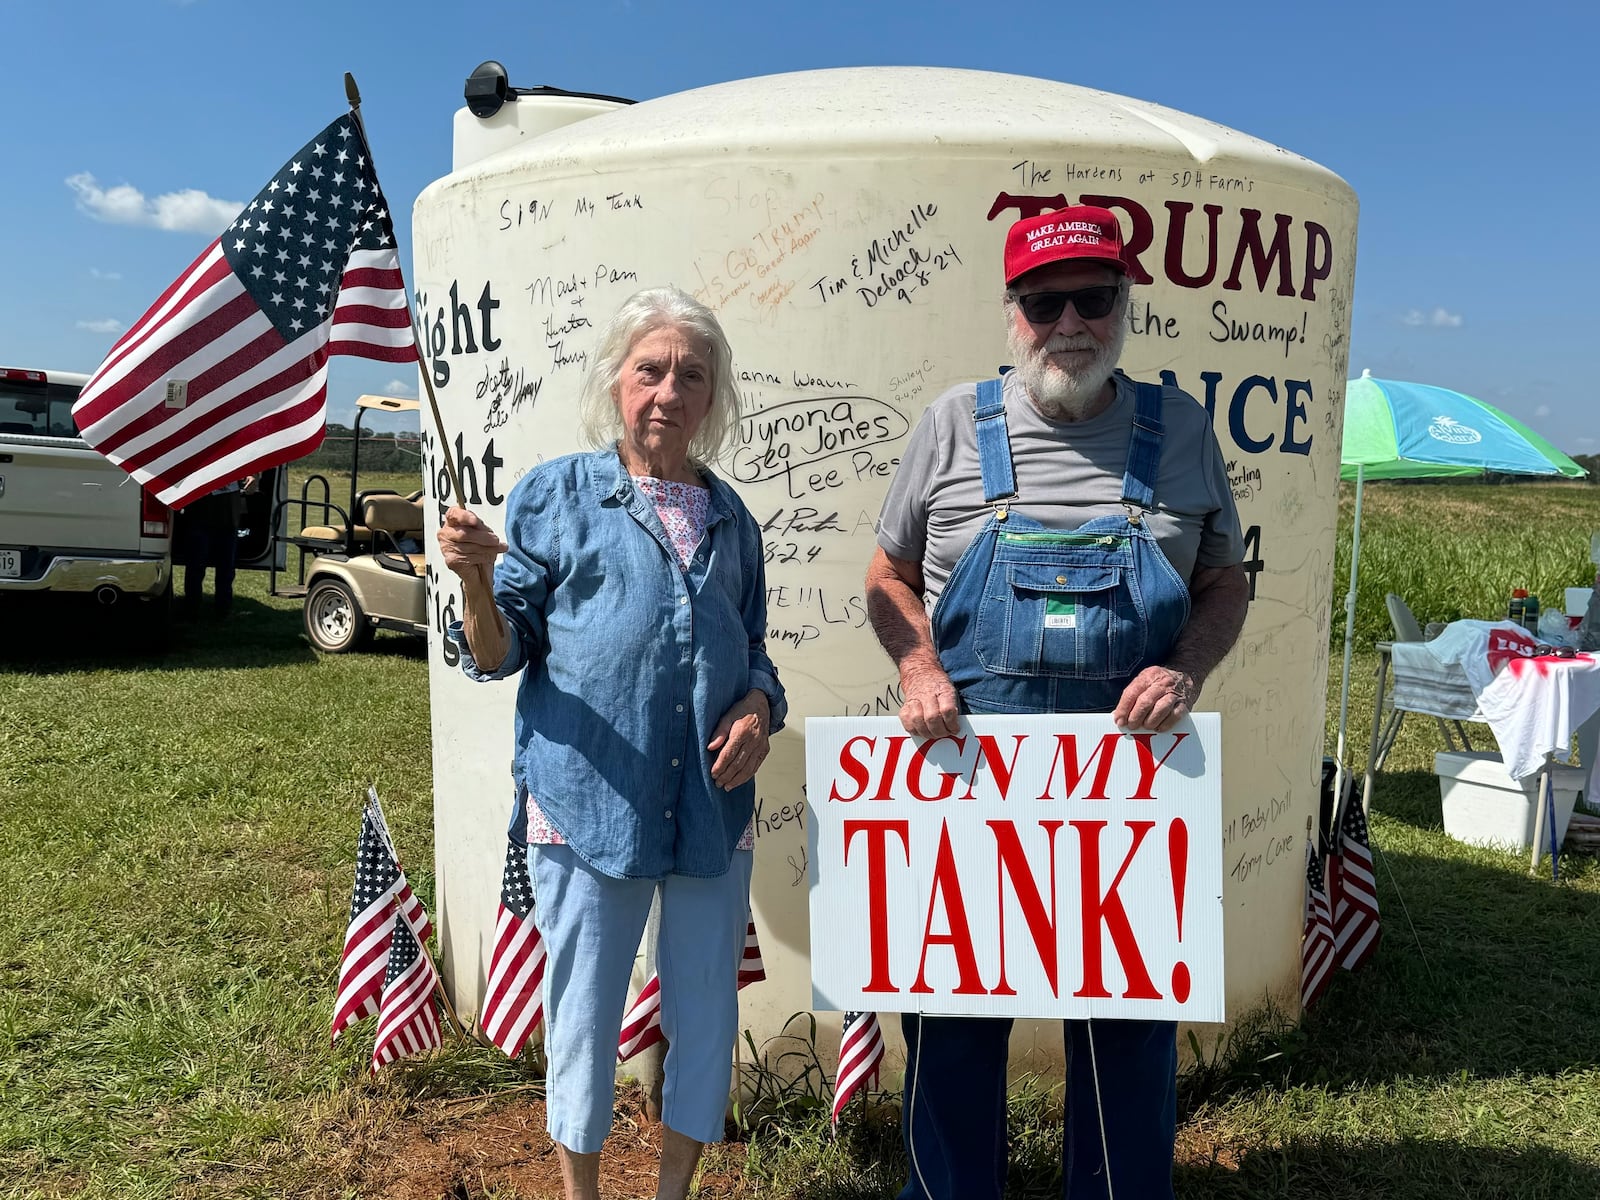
(1349, 635)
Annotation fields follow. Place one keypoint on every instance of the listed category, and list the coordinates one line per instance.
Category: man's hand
(930, 709)
(1157, 699)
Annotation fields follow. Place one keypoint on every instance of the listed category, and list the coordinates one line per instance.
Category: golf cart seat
(325, 538)
(396, 529)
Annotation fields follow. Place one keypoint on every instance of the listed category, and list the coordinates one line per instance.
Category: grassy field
(178, 841)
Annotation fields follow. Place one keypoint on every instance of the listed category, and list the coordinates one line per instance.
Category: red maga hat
(1081, 232)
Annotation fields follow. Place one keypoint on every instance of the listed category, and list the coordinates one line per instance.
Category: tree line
(379, 451)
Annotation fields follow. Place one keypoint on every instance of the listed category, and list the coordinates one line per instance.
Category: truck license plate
(10, 564)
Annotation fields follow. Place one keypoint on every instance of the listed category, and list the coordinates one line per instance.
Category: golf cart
(361, 567)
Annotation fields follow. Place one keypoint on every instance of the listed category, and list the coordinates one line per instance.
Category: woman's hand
(468, 545)
(740, 741)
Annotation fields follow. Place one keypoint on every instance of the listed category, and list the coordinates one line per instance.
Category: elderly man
(1062, 540)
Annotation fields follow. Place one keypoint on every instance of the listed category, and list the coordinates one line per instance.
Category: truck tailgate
(59, 493)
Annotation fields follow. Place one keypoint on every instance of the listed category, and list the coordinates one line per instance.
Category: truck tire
(334, 620)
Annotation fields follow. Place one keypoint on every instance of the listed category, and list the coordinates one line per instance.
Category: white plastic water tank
(847, 226)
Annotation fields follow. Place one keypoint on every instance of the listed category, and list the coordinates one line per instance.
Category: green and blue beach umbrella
(1397, 430)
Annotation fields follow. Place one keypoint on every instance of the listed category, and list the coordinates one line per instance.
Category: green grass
(1456, 550)
(178, 839)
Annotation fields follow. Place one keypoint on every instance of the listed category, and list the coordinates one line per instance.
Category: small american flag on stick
(227, 373)
(380, 891)
(1316, 942)
(512, 1003)
(860, 1058)
(407, 1021)
(1353, 889)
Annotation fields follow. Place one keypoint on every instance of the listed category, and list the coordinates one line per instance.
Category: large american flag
(407, 1021)
(380, 891)
(1353, 889)
(1316, 941)
(226, 374)
(860, 1058)
(512, 1004)
(641, 1025)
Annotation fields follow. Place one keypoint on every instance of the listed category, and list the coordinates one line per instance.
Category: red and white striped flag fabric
(380, 891)
(751, 968)
(407, 1021)
(641, 1025)
(860, 1058)
(1353, 890)
(512, 1004)
(1316, 942)
(227, 373)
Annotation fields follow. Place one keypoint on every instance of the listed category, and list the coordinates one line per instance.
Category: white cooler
(1484, 805)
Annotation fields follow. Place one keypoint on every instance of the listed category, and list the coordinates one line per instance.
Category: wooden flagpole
(486, 575)
(353, 95)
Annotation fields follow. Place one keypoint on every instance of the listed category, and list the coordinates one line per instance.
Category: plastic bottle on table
(1530, 614)
(1519, 598)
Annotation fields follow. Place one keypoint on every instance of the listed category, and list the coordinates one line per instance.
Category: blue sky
(134, 128)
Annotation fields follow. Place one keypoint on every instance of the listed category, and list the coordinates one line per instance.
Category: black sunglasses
(1090, 303)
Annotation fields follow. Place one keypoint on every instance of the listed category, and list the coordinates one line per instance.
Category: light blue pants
(591, 925)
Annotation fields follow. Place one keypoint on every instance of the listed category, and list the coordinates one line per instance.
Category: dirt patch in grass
(1203, 1143)
(487, 1146)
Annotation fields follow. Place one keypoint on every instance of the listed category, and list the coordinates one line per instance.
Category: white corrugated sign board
(1037, 866)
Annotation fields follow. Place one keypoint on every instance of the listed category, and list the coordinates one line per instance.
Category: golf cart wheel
(334, 621)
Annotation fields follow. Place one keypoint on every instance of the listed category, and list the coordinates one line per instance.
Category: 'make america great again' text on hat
(1081, 232)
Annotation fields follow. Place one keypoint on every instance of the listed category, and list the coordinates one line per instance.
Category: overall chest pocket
(1065, 620)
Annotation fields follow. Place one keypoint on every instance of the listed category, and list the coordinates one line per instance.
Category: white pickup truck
(71, 523)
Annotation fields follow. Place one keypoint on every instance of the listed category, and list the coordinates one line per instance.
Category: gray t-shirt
(1067, 473)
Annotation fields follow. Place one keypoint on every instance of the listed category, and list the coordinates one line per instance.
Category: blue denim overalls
(1038, 620)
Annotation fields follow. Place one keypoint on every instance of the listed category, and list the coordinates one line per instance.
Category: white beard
(1064, 393)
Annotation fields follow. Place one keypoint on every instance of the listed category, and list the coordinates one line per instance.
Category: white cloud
(1439, 318)
(399, 387)
(102, 325)
(188, 211)
(1542, 411)
(108, 276)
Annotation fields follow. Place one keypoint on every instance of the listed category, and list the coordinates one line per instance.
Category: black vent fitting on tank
(488, 88)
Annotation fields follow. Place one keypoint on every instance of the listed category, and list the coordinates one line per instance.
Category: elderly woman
(632, 598)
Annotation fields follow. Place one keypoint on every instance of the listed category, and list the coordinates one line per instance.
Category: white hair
(642, 313)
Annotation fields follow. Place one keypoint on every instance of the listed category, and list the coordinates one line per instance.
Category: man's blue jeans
(954, 1118)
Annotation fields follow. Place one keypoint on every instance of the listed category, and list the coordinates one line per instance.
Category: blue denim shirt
(629, 660)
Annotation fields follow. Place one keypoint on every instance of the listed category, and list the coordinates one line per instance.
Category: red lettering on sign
(1148, 763)
(1013, 864)
(852, 766)
(878, 891)
(886, 780)
(947, 889)
(1178, 863)
(1105, 908)
(947, 780)
(989, 754)
(1072, 774)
